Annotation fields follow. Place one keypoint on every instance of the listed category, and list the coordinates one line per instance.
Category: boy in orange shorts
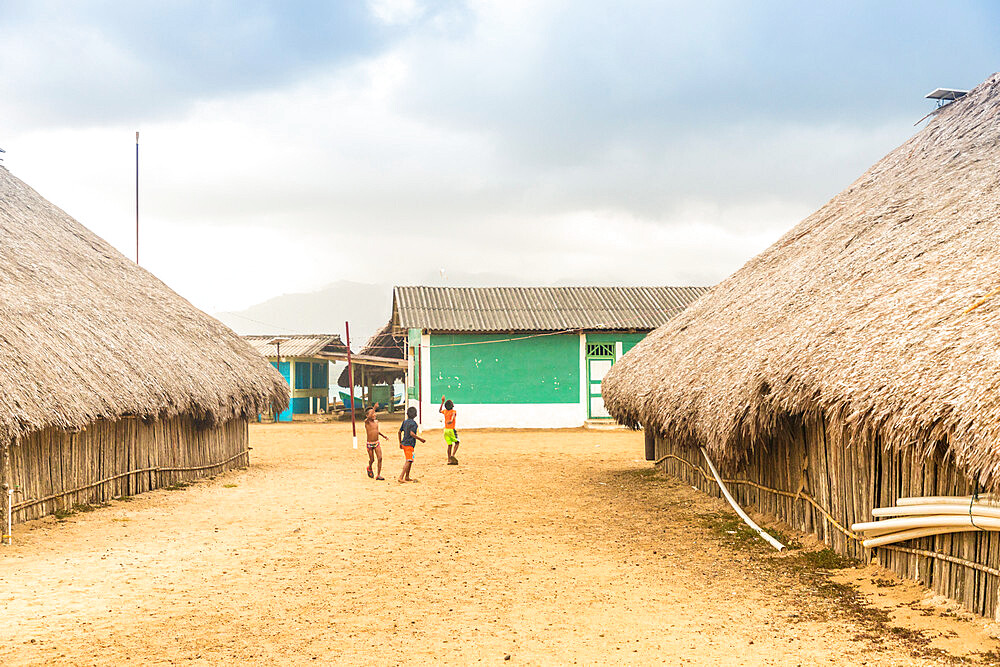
(407, 441)
(450, 434)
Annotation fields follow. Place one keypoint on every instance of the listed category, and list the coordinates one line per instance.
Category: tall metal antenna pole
(137, 196)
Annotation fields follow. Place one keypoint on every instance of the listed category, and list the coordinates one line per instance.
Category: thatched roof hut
(878, 308)
(854, 362)
(87, 336)
(381, 344)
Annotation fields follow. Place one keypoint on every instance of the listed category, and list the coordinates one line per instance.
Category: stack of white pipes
(931, 515)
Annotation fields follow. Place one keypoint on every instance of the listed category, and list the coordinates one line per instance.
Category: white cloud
(371, 171)
(395, 12)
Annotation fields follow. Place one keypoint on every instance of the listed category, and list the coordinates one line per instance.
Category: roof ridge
(539, 308)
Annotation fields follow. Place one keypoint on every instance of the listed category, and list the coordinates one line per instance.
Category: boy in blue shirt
(407, 441)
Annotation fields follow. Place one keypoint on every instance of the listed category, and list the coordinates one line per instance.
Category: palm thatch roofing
(85, 334)
(500, 309)
(297, 345)
(381, 344)
(881, 310)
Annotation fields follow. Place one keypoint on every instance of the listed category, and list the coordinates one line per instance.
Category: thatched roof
(861, 312)
(86, 334)
(381, 344)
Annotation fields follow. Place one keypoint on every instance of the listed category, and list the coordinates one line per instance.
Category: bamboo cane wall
(848, 478)
(53, 470)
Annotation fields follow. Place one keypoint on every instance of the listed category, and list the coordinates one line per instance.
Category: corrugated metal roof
(297, 345)
(538, 308)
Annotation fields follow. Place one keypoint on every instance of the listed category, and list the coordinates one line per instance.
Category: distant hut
(304, 361)
(855, 361)
(524, 357)
(112, 383)
(377, 381)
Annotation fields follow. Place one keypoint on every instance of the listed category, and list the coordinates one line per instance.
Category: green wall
(413, 342)
(543, 369)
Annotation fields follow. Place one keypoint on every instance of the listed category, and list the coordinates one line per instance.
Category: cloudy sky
(288, 145)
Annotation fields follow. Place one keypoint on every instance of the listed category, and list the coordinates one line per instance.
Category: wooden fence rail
(53, 469)
(841, 479)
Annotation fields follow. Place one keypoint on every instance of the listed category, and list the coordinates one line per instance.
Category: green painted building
(522, 357)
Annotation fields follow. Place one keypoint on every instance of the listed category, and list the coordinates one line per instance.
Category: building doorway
(600, 358)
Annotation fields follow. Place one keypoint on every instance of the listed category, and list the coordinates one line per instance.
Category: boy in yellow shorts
(450, 434)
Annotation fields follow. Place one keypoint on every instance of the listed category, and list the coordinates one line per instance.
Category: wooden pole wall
(5, 484)
(55, 470)
(848, 477)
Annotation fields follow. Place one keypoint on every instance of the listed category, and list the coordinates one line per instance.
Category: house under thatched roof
(88, 336)
(855, 361)
(864, 310)
(381, 344)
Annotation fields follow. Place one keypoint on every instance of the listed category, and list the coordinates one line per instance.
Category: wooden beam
(367, 360)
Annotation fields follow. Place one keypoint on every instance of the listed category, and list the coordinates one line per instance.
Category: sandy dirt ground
(542, 547)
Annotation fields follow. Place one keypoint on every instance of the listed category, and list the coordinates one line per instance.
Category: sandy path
(550, 547)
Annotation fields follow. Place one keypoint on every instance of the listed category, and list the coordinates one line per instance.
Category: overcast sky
(287, 145)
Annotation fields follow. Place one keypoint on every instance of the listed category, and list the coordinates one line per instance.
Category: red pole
(350, 379)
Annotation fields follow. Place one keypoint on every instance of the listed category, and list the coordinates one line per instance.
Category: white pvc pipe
(914, 534)
(948, 500)
(924, 516)
(906, 523)
(725, 491)
(914, 510)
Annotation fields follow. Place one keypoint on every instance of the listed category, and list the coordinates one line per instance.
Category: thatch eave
(86, 335)
(878, 310)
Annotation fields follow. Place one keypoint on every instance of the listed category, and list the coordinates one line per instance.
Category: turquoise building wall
(309, 379)
(538, 369)
(285, 368)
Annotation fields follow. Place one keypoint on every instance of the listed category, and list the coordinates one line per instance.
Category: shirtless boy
(374, 448)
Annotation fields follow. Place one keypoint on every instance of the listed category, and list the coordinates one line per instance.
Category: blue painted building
(304, 361)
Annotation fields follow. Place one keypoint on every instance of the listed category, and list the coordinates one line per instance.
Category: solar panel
(946, 94)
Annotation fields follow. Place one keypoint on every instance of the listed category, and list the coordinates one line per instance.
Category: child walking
(450, 434)
(374, 447)
(407, 441)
